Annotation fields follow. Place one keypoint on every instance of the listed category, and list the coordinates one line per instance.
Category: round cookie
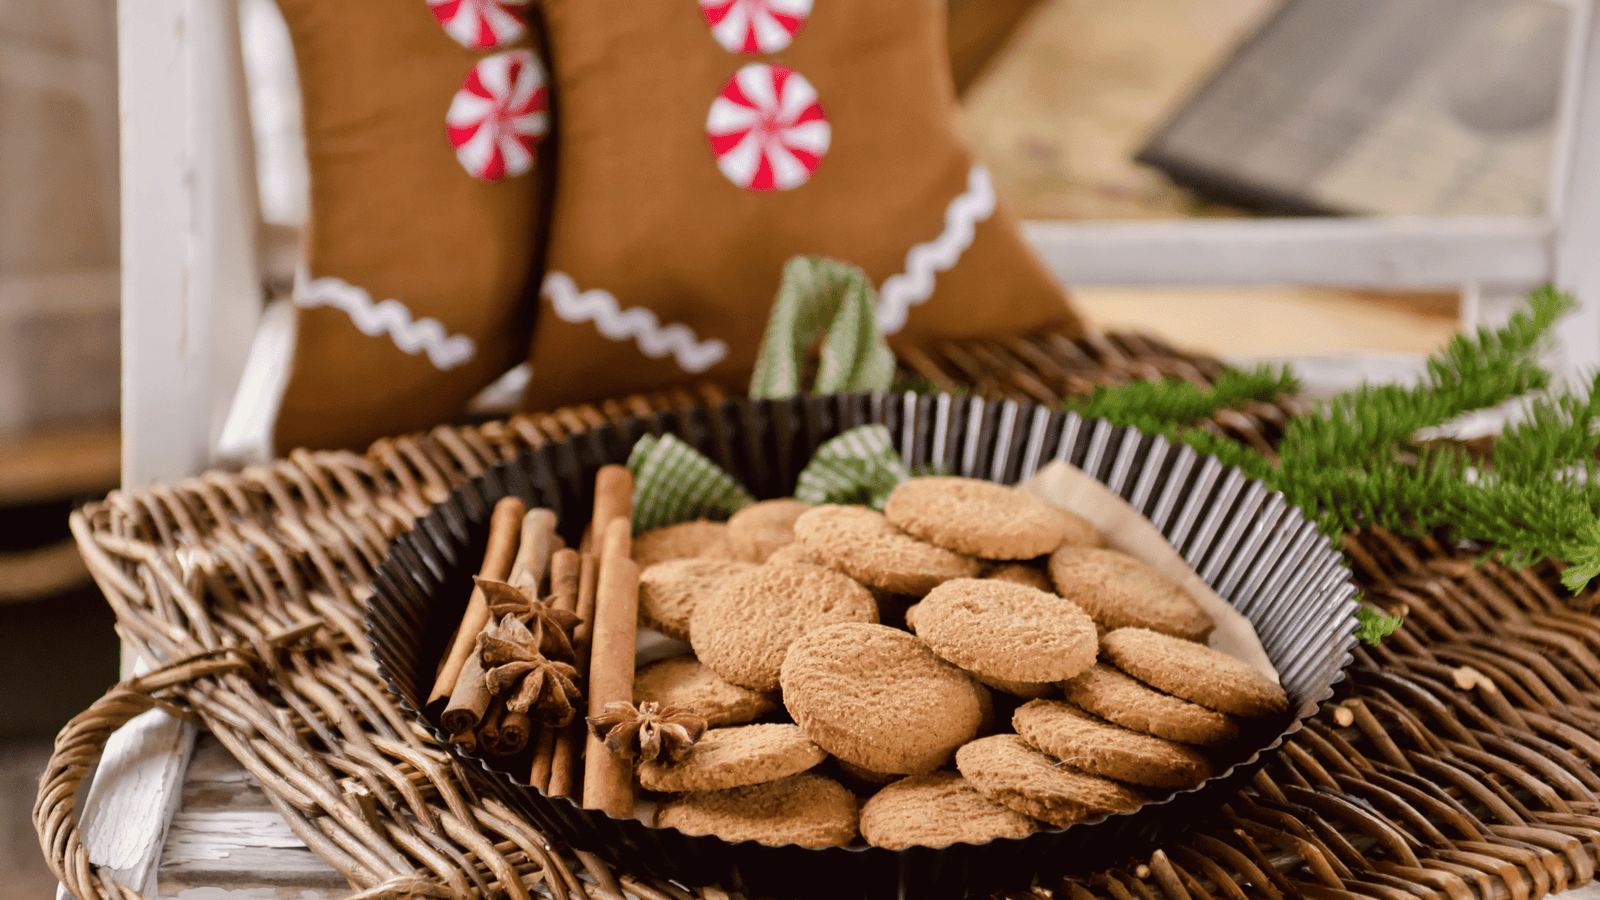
(1100, 748)
(1008, 631)
(937, 810)
(879, 698)
(1027, 690)
(1115, 697)
(1022, 573)
(862, 544)
(1194, 672)
(1078, 531)
(744, 629)
(734, 757)
(1122, 592)
(788, 555)
(761, 529)
(668, 591)
(864, 781)
(688, 683)
(1008, 771)
(976, 517)
(805, 809)
(682, 541)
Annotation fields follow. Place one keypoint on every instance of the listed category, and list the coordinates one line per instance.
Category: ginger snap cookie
(686, 682)
(1101, 748)
(1027, 690)
(937, 810)
(744, 629)
(1194, 672)
(669, 590)
(734, 757)
(1008, 771)
(788, 555)
(1022, 573)
(1008, 631)
(682, 541)
(864, 781)
(1122, 592)
(879, 698)
(761, 529)
(1115, 697)
(862, 544)
(1077, 531)
(975, 517)
(805, 809)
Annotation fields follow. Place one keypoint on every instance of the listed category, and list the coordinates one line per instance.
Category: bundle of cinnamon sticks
(545, 627)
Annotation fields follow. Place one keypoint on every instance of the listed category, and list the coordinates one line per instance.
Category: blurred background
(1139, 109)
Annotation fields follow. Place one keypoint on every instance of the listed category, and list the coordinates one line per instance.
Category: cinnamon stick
(613, 497)
(515, 729)
(466, 740)
(564, 769)
(469, 700)
(564, 572)
(565, 567)
(504, 525)
(544, 757)
(608, 778)
(489, 729)
(533, 551)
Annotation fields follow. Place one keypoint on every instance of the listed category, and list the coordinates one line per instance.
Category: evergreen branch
(1488, 352)
(1582, 554)
(1374, 625)
(1471, 373)
(1179, 402)
(1561, 432)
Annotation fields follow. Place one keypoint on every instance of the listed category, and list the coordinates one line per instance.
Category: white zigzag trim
(640, 324)
(923, 261)
(391, 317)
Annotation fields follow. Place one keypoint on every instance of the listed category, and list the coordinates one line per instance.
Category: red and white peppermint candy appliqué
(755, 26)
(498, 115)
(481, 23)
(766, 128)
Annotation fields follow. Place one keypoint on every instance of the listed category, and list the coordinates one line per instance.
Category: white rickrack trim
(635, 323)
(923, 261)
(391, 317)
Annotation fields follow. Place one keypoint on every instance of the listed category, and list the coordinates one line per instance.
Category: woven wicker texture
(1405, 785)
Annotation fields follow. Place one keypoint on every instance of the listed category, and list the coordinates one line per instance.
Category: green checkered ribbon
(829, 299)
(673, 482)
(859, 466)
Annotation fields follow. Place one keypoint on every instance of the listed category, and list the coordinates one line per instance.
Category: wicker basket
(252, 584)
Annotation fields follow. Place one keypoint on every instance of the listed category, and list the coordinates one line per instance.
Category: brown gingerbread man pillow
(703, 145)
(422, 122)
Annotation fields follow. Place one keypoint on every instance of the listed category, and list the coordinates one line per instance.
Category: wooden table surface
(226, 841)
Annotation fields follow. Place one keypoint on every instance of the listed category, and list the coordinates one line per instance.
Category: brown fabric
(394, 213)
(643, 212)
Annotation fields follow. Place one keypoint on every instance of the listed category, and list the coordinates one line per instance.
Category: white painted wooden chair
(193, 300)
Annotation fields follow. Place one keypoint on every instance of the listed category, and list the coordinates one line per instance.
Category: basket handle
(81, 744)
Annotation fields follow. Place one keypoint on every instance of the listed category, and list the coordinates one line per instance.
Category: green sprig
(1373, 624)
(1176, 402)
(1356, 459)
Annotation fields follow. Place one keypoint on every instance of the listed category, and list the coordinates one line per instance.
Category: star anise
(544, 688)
(648, 730)
(552, 626)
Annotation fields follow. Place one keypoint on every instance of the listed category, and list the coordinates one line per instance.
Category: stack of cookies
(964, 666)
